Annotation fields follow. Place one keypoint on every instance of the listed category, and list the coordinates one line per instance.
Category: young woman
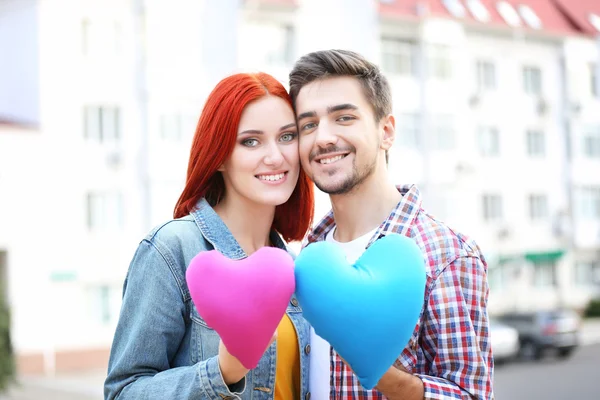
(244, 190)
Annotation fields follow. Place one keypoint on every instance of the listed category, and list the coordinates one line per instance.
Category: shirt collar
(399, 221)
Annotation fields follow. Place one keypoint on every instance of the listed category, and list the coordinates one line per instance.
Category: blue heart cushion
(366, 311)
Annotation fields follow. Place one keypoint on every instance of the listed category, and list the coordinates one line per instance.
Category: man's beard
(356, 178)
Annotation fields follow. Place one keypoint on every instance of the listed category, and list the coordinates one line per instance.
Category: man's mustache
(330, 150)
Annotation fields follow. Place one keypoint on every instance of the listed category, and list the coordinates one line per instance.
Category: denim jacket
(162, 348)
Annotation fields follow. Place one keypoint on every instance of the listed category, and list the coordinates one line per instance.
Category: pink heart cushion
(242, 300)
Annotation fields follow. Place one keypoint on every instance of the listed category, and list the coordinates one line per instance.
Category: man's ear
(388, 124)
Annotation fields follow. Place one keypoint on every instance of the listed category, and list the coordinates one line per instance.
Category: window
(281, 46)
(497, 277)
(408, 130)
(591, 142)
(455, 8)
(443, 132)
(544, 274)
(105, 211)
(538, 207)
(478, 10)
(508, 13)
(102, 124)
(486, 76)
(101, 304)
(530, 17)
(3, 277)
(535, 143)
(171, 127)
(488, 140)
(492, 207)
(594, 80)
(439, 62)
(587, 273)
(589, 202)
(532, 80)
(399, 57)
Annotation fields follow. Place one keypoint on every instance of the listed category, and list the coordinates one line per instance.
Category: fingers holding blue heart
(366, 311)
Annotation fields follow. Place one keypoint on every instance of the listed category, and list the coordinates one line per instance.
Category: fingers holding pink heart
(242, 300)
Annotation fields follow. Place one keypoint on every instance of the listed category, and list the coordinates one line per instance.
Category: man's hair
(333, 63)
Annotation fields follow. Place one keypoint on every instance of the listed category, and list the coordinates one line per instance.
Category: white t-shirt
(320, 368)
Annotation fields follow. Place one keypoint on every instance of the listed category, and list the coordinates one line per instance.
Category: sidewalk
(87, 385)
(590, 331)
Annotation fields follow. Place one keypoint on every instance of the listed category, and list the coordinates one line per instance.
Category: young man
(343, 107)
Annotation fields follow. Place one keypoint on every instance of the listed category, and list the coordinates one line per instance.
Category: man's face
(340, 142)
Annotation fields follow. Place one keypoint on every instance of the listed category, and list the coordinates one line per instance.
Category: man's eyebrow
(340, 107)
(308, 114)
(330, 110)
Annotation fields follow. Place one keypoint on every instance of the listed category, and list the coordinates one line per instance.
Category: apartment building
(497, 111)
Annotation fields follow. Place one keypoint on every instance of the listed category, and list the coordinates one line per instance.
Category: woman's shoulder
(178, 237)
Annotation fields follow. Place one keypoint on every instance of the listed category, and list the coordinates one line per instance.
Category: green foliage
(593, 308)
(7, 363)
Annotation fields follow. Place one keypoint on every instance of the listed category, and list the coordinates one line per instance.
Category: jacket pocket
(204, 340)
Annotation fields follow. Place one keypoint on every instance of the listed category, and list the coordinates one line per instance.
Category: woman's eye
(250, 142)
(288, 137)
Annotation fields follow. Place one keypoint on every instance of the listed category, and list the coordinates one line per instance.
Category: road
(550, 378)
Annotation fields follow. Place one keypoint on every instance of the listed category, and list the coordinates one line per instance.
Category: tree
(7, 363)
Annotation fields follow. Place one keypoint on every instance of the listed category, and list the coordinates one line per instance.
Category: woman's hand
(231, 368)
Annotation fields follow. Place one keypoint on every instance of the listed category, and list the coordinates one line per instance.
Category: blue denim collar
(218, 234)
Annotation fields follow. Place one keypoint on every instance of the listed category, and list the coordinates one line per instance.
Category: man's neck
(364, 208)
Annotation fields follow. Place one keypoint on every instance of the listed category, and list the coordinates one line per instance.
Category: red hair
(213, 143)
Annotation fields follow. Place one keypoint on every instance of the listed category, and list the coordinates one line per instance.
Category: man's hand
(398, 383)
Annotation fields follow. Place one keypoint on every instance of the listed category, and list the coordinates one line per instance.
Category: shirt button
(295, 302)
(307, 397)
(307, 349)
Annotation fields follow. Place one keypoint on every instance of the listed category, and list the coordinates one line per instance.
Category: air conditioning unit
(114, 159)
(504, 233)
(575, 107)
(542, 106)
(475, 100)
(464, 167)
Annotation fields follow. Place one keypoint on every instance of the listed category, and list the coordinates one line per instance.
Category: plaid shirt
(449, 350)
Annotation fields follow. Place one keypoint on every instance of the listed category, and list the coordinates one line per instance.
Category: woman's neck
(249, 223)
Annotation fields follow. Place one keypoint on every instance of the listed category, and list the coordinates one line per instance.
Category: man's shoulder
(442, 244)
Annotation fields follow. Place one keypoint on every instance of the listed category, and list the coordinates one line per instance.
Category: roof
(583, 14)
(529, 15)
(555, 17)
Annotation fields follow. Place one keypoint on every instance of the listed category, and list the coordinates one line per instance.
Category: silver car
(539, 331)
(505, 341)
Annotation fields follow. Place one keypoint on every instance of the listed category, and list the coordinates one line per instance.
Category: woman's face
(264, 165)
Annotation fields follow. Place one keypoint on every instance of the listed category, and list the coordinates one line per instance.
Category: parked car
(539, 331)
(505, 341)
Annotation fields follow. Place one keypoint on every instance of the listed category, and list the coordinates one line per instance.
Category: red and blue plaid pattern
(450, 350)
